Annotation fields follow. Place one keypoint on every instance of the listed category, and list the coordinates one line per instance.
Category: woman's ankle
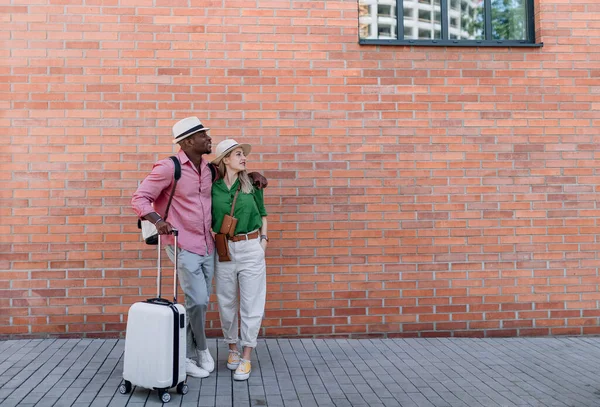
(247, 353)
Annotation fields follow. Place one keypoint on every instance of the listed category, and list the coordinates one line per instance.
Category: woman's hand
(263, 244)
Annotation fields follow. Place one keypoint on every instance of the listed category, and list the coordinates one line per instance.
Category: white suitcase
(155, 343)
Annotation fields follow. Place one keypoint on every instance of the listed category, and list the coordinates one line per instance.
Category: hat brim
(179, 138)
(246, 148)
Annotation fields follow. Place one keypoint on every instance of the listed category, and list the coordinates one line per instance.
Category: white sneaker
(192, 369)
(206, 360)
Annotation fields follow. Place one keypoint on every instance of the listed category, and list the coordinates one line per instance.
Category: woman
(247, 268)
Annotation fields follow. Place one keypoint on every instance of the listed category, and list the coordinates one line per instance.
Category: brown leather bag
(222, 247)
(227, 229)
(228, 225)
(229, 222)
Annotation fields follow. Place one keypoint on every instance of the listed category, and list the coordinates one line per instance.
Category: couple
(203, 195)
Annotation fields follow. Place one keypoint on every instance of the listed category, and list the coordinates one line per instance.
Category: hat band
(228, 150)
(192, 130)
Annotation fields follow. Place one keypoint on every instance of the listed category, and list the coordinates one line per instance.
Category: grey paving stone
(268, 400)
(305, 372)
(289, 395)
(341, 402)
(223, 401)
(10, 402)
(101, 402)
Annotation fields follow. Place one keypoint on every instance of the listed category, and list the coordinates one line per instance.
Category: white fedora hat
(228, 145)
(187, 127)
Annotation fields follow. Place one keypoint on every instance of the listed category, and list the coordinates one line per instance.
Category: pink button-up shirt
(190, 210)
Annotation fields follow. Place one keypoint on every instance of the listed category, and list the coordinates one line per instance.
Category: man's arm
(151, 187)
(258, 180)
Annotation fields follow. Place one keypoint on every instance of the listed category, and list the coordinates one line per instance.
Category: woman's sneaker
(233, 361)
(243, 370)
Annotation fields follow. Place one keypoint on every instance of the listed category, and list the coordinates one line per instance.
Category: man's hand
(258, 180)
(163, 228)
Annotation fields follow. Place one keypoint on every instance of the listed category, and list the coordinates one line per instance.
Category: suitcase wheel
(182, 388)
(164, 396)
(125, 387)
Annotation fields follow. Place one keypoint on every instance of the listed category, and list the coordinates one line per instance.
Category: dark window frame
(445, 41)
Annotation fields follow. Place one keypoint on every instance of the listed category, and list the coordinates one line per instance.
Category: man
(190, 214)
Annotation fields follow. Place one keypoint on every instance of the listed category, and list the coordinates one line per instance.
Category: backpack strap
(176, 176)
(177, 167)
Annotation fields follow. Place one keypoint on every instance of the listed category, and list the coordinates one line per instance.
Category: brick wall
(413, 190)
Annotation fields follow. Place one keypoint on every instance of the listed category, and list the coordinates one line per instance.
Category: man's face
(202, 143)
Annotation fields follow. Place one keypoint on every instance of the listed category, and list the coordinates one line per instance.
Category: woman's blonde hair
(245, 182)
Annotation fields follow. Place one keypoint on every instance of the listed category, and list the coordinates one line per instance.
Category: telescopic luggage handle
(158, 285)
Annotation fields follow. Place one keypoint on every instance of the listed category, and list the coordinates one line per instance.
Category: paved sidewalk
(332, 372)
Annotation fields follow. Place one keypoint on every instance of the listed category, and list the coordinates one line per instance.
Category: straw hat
(226, 146)
(187, 127)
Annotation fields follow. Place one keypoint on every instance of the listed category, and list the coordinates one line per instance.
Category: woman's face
(236, 161)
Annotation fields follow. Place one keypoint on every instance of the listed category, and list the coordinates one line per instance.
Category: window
(447, 22)
(425, 16)
(378, 19)
(384, 10)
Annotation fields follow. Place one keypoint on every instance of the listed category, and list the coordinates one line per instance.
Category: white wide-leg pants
(247, 271)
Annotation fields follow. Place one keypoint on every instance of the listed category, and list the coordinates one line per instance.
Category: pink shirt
(190, 210)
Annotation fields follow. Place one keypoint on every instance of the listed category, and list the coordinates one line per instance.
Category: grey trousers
(195, 274)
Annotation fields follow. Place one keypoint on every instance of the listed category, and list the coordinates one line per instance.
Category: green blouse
(249, 208)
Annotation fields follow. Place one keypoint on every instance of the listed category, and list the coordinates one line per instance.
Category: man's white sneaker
(192, 369)
(206, 360)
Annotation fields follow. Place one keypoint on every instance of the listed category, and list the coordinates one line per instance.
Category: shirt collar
(183, 158)
(223, 186)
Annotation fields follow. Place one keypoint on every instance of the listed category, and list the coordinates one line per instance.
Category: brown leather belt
(249, 236)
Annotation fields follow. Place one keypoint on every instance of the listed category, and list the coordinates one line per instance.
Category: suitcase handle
(158, 274)
(161, 301)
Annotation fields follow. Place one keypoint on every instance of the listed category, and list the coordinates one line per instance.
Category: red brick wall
(413, 190)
